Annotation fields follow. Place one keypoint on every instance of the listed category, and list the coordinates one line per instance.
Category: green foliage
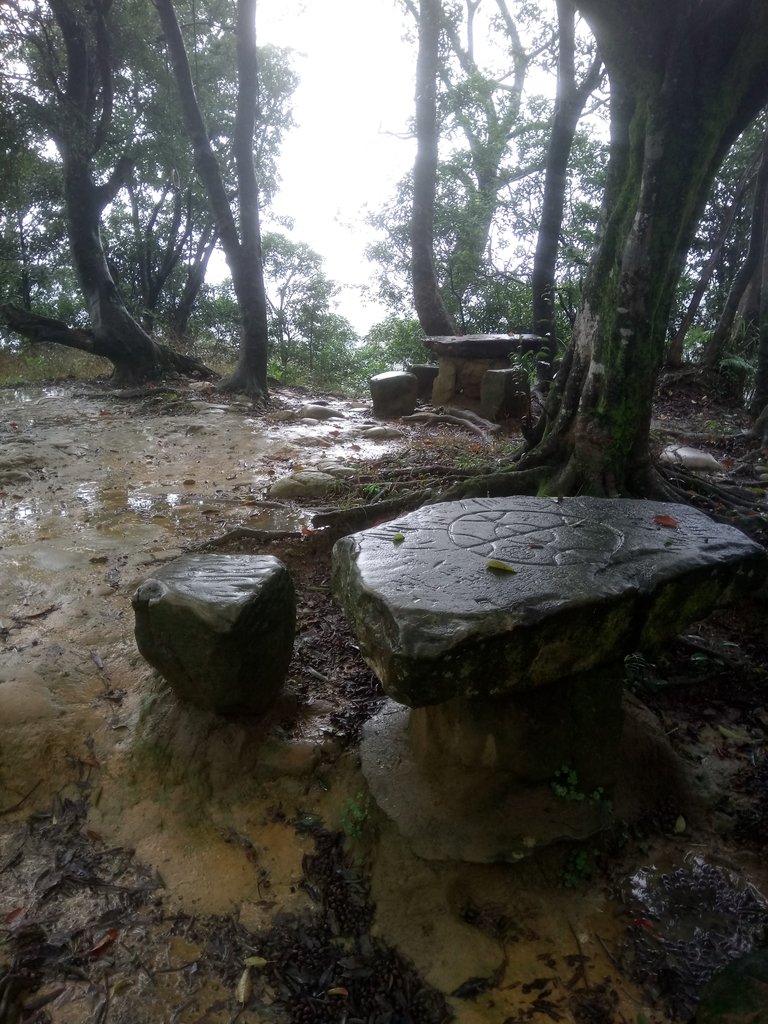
(36, 364)
(354, 816)
(577, 870)
(565, 784)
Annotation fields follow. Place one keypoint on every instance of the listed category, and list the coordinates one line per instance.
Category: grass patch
(49, 362)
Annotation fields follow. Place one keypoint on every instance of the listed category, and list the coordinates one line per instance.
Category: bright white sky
(349, 147)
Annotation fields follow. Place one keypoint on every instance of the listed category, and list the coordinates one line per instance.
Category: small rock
(337, 470)
(691, 458)
(319, 412)
(307, 483)
(382, 433)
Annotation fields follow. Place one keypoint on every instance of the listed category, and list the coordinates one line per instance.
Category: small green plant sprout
(372, 490)
(565, 784)
(354, 816)
(577, 870)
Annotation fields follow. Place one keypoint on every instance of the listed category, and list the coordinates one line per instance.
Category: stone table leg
(484, 781)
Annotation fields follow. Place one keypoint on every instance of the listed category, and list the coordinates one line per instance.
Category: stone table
(499, 627)
(464, 360)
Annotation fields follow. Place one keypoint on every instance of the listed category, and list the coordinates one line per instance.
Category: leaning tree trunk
(430, 308)
(760, 398)
(242, 248)
(79, 121)
(569, 104)
(716, 344)
(682, 89)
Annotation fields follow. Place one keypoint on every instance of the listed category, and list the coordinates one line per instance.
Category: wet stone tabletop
(487, 596)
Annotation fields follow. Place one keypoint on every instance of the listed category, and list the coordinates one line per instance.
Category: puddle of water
(276, 520)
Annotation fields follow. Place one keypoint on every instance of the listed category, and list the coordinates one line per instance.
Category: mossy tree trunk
(686, 78)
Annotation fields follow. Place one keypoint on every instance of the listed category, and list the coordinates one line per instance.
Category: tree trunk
(714, 349)
(682, 89)
(760, 397)
(79, 122)
(242, 248)
(430, 308)
(569, 104)
(195, 279)
(677, 345)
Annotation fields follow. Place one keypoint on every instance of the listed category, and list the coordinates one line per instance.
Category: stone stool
(394, 394)
(503, 624)
(219, 628)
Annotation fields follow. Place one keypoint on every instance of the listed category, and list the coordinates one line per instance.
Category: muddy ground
(160, 864)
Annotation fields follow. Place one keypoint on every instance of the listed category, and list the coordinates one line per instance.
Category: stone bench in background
(500, 628)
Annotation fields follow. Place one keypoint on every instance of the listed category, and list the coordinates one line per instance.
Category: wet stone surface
(504, 624)
(219, 628)
(487, 596)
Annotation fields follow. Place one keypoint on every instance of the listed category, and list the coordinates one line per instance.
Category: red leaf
(640, 922)
(666, 521)
(13, 915)
(104, 943)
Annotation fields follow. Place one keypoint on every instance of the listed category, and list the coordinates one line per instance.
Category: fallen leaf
(244, 988)
(496, 565)
(666, 521)
(104, 943)
(255, 961)
(339, 990)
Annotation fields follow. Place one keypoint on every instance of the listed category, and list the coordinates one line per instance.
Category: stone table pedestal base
(449, 811)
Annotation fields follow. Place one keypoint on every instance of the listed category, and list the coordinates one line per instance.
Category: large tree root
(725, 502)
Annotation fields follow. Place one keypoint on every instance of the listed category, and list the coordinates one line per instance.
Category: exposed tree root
(456, 421)
(725, 502)
(342, 521)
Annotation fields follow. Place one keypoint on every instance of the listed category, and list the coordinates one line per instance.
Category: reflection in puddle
(86, 493)
(277, 520)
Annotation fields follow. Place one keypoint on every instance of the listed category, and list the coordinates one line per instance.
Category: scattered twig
(17, 805)
(582, 957)
(19, 619)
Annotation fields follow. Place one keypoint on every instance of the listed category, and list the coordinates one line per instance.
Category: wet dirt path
(94, 492)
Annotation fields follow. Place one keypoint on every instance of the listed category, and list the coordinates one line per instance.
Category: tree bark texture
(79, 122)
(714, 349)
(686, 79)
(242, 247)
(760, 397)
(569, 105)
(677, 345)
(430, 308)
